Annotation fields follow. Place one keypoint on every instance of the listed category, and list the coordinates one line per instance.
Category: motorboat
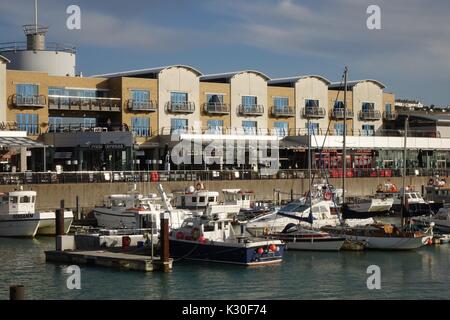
(441, 219)
(291, 213)
(297, 237)
(18, 216)
(415, 204)
(384, 236)
(211, 238)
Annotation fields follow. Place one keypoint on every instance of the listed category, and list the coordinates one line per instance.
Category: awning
(19, 142)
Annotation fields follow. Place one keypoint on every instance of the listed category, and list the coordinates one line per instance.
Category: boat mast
(344, 142)
(404, 170)
(309, 167)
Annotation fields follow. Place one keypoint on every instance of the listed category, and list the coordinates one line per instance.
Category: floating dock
(104, 258)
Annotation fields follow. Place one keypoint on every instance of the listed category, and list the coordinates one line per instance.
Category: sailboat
(381, 236)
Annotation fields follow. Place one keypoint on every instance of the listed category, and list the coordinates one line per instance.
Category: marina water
(419, 274)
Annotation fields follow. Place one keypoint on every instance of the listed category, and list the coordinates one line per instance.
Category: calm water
(421, 274)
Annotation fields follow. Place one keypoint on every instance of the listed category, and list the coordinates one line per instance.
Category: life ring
(195, 233)
(327, 196)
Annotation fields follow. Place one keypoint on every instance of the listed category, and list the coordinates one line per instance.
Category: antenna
(36, 15)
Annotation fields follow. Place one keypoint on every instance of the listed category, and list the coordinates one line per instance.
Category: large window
(368, 130)
(27, 90)
(280, 103)
(141, 126)
(250, 127)
(281, 128)
(338, 104)
(214, 99)
(368, 106)
(311, 103)
(178, 98)
(313, 128)
(388, 108)
(28, 122)
(59, 124)
(87, 93)
(140, 95)
(339, 129)
(179, 125)
(249, 101)
(215, 126)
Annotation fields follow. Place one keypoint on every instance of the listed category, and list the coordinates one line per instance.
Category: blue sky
(410, 54)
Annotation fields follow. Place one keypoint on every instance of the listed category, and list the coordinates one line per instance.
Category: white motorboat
(18, 216)
(292, 213)
(297, 237)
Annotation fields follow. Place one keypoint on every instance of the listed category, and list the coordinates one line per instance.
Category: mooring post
(165, 254)
(292, 194)
(59, 227)
(77, 203)
(17, 292)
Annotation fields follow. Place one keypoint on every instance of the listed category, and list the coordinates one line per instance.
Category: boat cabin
(242, 198)
(134, 200)
(193, 198)
(18, 202)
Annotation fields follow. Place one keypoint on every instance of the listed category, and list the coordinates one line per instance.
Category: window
(388, 108)
(280, 103)
(215, 126)
(25, 199)
(368, 130)
(368, 106)
(281, 128)
(14, 200)
(219, 225)
(250, 127)
(178, 98)
(338, 105)
(179, 125)
(27, 90)
(58, 124)
(140, 126)
(211, 199)
(140, 95)
(313, 128)
(202, 199)
(249, 101)
(214, 99)
(194, 199)
(28, 122)
(311, 103)
(87, 93)
(338, 129)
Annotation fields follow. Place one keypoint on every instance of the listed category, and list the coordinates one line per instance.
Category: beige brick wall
(273, 92)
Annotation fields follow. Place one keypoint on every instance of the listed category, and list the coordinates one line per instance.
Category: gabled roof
(351, 84)
(145, 72)
(229, 75)
(293, 80)
(4, 59)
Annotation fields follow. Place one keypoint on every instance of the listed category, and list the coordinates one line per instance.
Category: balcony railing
(283, 111)
(216, 108)
(181, 107)
(338, 113)
(138, 105)
(314, 112)
(36, 101)
(370, 114)
(77, 127)
(83, 103)
(390, 115)
(251, 110)
(49, 46)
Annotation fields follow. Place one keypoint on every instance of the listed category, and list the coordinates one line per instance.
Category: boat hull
(107, 218)
(326, 244)
(243, 254)
(19, 227)
(391, 243)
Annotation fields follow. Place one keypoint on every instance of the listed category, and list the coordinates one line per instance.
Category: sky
(410, 54)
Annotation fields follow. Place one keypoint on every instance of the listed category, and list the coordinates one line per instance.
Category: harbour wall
(91, 194)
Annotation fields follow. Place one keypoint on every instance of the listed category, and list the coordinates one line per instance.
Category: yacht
(18, 216)
(211, 238)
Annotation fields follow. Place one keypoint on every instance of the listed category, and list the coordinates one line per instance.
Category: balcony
(216, 108)
(390, 116)
(37, 101)
(251, 110)
(338, 113)
(314, 112)
(83, 103)
(283, 112)
(181, 107)
(137, 105)
(370, 115)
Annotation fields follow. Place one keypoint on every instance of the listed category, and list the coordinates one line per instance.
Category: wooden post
(59, 220)
(292, 194)
(17, 292)
(165, 254)
(77, 203)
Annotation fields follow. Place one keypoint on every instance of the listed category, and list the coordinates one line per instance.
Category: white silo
(38, 55)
